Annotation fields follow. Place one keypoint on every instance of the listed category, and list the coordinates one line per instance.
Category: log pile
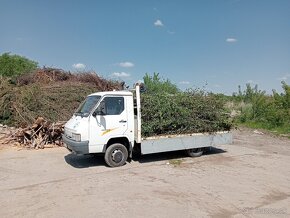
(40, 134)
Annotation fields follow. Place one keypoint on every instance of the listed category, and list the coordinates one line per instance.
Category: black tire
(116, 155)
(194, 152)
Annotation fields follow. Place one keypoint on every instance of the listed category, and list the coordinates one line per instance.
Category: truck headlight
(76, 137)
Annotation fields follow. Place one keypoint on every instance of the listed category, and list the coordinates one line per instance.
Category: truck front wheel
(194, 152)
(116, 155)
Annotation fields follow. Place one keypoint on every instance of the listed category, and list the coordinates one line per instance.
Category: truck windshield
(87, 106)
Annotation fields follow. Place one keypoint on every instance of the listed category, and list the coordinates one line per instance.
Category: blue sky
(221, 43)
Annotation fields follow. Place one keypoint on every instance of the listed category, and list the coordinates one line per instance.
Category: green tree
(14, 65)
(155, 84)
(283, 99)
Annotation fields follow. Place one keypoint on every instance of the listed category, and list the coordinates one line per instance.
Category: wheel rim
(117, 156)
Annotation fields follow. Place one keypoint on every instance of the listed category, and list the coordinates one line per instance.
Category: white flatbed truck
(109, 123)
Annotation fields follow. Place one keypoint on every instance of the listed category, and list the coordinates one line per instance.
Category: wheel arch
(121, 140)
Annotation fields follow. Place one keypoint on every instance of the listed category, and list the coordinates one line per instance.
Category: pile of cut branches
(52, 75)
(52, 93)
(183, 113)
(39, 135)
(167, 110)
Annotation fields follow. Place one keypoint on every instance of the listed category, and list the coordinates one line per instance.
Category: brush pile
(52, 93)
(182, 113)
(166, 110)
(39, 135)
(54, 75)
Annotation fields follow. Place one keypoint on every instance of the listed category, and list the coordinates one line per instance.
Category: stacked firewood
(40, 134)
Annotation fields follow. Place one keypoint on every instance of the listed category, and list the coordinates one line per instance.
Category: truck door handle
(123, 121)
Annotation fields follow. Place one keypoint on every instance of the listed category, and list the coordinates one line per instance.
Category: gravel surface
(249, 178)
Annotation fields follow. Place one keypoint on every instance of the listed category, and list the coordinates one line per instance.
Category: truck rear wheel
(116, 155)
(194, 152)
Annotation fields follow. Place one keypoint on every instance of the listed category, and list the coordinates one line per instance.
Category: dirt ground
(250, 178)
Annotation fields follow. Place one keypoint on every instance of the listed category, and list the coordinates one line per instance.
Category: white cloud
(171, 32)
(79, 66)
(284, 78)
(158, 23)
(231, 40)
(184, 82)
(126, 64)
(120, 74)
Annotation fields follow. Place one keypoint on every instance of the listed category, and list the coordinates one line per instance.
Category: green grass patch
(175, 162)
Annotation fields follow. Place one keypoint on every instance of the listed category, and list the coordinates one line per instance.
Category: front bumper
(76, 147)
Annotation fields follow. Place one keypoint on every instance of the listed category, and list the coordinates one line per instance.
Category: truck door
(110, 120)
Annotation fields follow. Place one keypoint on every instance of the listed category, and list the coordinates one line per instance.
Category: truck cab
(103, 123)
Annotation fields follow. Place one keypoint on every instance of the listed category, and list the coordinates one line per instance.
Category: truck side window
(114, 105)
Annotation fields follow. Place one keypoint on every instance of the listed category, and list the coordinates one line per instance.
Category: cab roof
(119, 93)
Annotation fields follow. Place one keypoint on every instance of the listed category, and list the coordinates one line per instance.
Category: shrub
(14, 65)
(267, 111)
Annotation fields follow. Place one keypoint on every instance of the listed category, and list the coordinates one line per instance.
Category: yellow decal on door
(108, 130)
